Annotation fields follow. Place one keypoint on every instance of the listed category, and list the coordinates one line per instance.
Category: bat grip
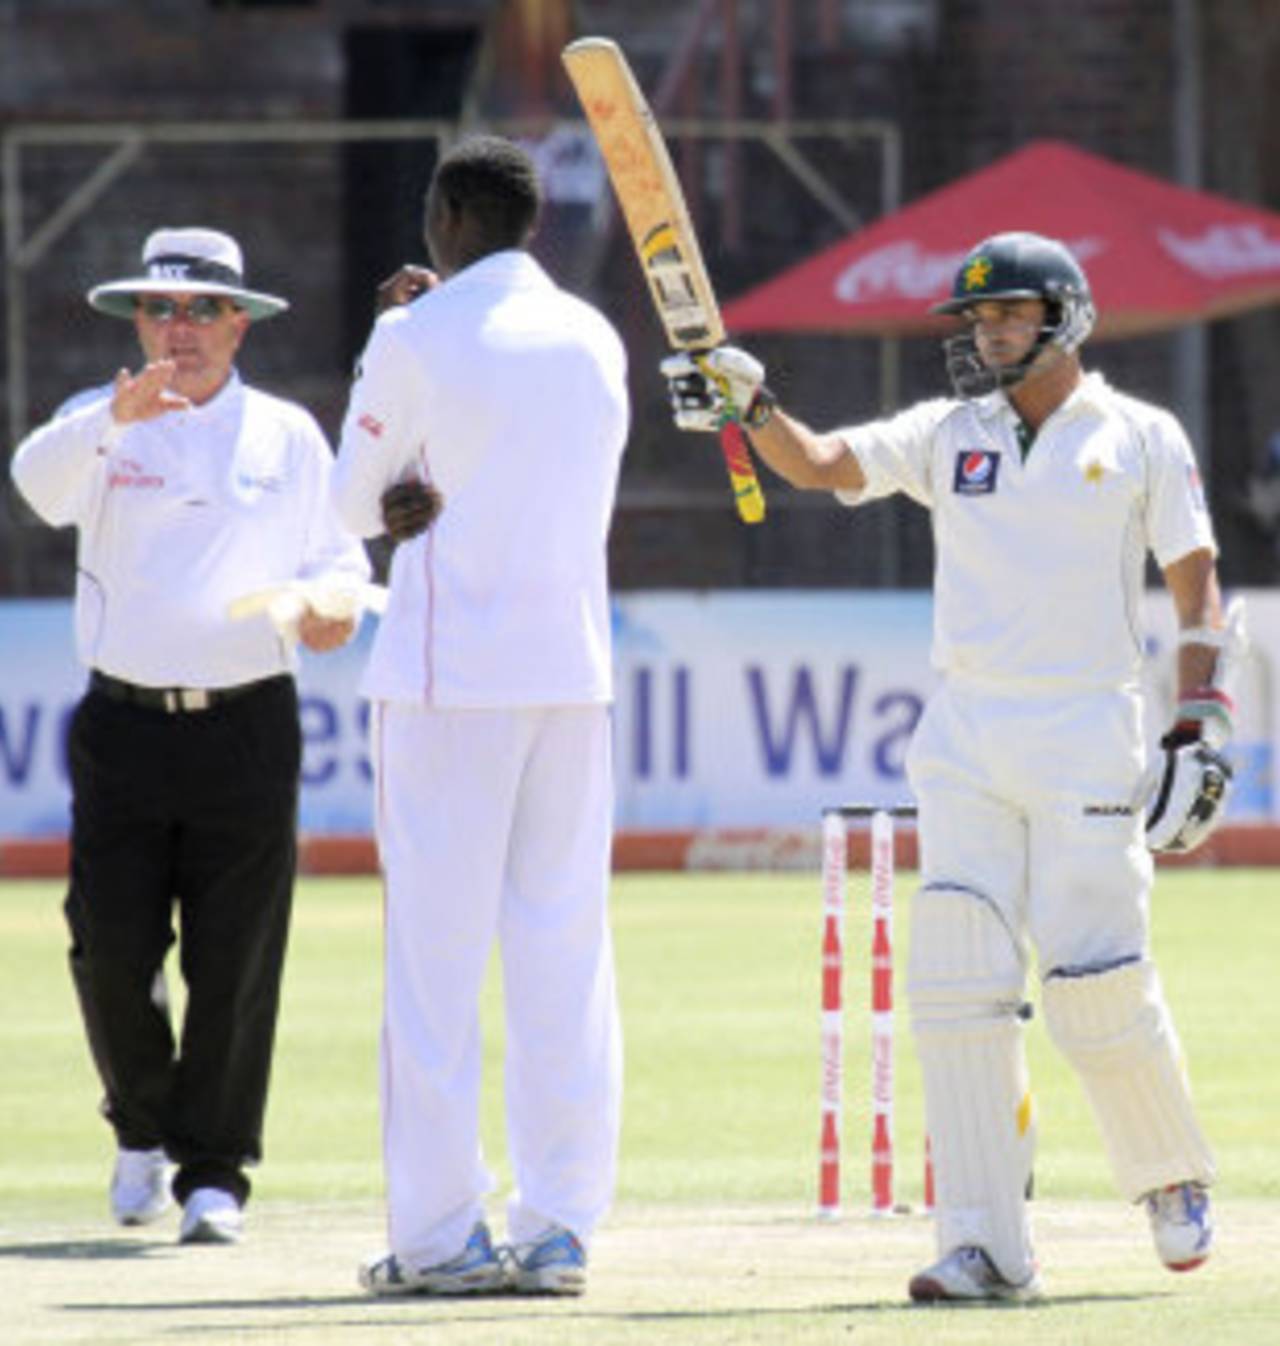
(747, 494)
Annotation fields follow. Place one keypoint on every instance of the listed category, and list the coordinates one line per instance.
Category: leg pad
(1114, 1027)
(965, 982)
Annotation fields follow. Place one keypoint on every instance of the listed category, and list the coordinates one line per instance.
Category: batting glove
(724, 384)
(1204, 715)
(1184, 793)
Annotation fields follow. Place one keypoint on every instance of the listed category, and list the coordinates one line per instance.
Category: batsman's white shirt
(1040, 563)
(491, 678)
(521, 426)
(179, 516)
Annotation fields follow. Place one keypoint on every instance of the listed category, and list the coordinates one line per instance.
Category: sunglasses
(202, 310)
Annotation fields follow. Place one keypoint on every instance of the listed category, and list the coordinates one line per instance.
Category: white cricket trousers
(496, 823)
(1031, 838)
(1028, 799)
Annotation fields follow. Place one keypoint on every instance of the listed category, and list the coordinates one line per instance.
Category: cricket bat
(653, 205)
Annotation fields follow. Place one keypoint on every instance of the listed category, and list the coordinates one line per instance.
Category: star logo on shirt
(1094, 473)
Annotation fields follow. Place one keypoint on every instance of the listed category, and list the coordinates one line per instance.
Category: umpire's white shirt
(503, 602)
(177, 517)
(1039, 567)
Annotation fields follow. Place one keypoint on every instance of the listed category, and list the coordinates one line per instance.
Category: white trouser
(496, 823)
(1027, 838)
(1023, 798)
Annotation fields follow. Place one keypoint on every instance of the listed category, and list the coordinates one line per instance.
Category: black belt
(174, 700)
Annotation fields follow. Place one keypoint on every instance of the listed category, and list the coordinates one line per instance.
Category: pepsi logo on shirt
(976, 472)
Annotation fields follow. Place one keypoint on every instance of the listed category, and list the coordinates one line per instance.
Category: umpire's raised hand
(145, 395)
(410, 508)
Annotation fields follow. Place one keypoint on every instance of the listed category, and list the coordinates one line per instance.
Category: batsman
(1038, 815)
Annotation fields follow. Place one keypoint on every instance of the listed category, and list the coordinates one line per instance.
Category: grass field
(713, 1238)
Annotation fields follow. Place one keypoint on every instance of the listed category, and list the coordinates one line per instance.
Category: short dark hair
(494, 181)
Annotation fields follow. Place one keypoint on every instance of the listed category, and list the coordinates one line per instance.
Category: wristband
(761, 410)
(1204, 706)
(1205, 701)
(1212, 636)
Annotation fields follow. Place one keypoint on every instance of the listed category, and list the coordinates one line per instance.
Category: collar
(1093, 392)
(992, 406)
(225, 398)
(512, 267)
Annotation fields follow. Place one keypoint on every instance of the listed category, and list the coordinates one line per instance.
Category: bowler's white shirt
(509, 394)
(1039, 564)
(177, 517)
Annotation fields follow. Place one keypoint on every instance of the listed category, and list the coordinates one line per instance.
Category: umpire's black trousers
(193, 812)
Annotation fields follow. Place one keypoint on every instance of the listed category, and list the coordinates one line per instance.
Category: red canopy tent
(1157, 255)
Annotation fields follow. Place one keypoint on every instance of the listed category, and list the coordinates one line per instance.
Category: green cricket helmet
(1017, 266)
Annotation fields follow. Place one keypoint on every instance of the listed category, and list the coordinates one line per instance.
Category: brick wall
(979, 78)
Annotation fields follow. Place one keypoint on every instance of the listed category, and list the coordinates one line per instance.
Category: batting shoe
(210, 1215)
(555, 1264)
(476, 1270)
(1181, 1224)
(968, 1275)
(140, 1186)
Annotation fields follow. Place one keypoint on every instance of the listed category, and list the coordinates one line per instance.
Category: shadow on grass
(444, 1310)
(83, 1250)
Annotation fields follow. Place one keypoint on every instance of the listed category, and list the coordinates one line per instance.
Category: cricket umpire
(491, 682)
(188, 490)
(1047, 489)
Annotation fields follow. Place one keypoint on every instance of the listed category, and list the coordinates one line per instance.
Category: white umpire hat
(187, 261)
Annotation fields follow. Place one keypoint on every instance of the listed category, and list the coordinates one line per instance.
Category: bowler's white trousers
(496, 823)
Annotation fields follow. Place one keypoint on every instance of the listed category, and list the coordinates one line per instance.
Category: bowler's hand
(321, 634)
(409, 508)
(405, 286)
(146, 395)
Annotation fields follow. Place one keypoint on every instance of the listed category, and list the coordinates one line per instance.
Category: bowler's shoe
(555, 1264)
(476, 1270)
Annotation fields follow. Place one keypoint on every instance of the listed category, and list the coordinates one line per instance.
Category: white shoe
(476, 1270)
(140, 1186)
(555, 1264)
(1181, 1224)
(968, 1274)
(211, 1215)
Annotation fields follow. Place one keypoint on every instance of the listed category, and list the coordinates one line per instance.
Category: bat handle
(747, 494)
